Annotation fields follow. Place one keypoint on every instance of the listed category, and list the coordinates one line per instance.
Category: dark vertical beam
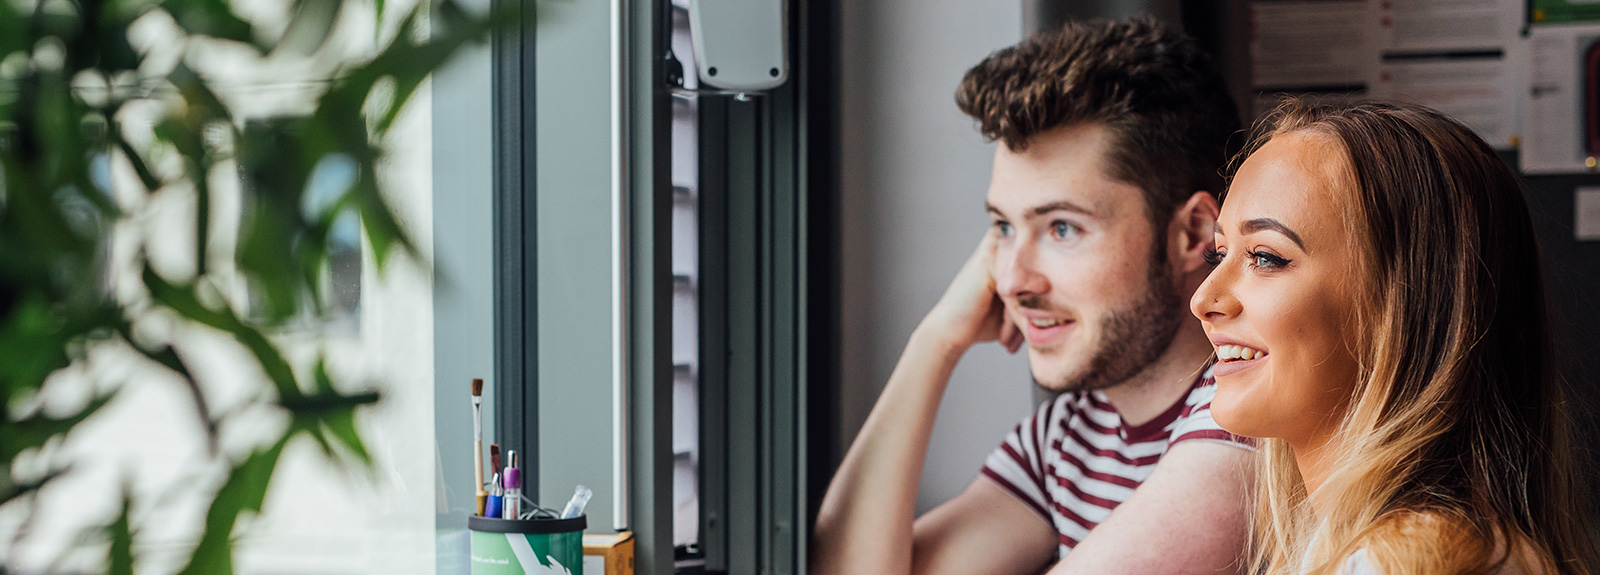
(745, 329)
(516, 333)
(714, 333)
(648, 185)
(765, 312)
(785, 252)
(817, 85)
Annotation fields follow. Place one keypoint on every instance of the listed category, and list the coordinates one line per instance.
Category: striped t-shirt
(1074, 459)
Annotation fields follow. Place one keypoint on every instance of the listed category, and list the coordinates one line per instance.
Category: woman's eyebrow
(1269, 224)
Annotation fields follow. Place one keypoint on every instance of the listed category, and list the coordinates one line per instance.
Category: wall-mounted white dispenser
(741, 44)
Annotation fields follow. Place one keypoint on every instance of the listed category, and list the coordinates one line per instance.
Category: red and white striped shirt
(1074, 460)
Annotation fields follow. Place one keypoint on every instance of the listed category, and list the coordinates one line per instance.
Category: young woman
(1379, 321)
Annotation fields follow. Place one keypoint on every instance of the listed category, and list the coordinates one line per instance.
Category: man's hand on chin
(971, 311)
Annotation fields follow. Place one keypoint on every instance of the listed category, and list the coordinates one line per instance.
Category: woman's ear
(1193, 230)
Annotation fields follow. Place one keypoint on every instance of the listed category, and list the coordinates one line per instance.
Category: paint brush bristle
(477, 387)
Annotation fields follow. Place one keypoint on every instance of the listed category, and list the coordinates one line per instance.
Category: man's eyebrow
(1044, 209)
(1269, 224)
(1060, 205)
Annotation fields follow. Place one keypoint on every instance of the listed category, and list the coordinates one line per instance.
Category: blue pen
(494, 504)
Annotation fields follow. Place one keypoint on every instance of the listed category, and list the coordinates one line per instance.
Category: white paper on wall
(1299, 45)
(1479, 89)
(1461, 57)
(1447, 25)
(1553, 139)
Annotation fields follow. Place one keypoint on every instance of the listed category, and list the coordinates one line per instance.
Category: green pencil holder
(527, 546)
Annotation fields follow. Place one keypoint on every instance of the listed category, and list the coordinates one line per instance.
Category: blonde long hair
(1455, 453)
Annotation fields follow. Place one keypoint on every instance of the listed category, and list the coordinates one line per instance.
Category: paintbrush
(477, 443)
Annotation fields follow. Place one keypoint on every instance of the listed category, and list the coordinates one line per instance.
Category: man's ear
(1193, 230)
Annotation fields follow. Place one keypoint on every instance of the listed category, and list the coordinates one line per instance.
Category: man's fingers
(1010, 336)
(1016, 341)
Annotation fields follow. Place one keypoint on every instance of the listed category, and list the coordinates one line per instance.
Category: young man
(1103, 202)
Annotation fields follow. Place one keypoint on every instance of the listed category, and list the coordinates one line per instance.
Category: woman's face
(1278, 307)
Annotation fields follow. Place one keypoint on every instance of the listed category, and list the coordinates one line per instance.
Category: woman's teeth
(1226, 352)
(1046, 323)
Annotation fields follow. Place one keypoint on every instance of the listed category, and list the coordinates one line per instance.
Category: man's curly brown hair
(1161, 100)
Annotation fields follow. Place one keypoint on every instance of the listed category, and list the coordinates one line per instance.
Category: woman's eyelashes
(1259, 259)
(1267, 260)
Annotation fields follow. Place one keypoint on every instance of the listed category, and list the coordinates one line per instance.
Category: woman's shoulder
(1359, 564)
(1428, 542)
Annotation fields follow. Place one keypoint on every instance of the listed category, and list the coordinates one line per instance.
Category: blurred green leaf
(168, 357)
(120, 556)
(244, 491)
(310, 26)
(408, 62)
(341, 422)
(320, 405)
(12, 491)
(111, 32)
(202, 219)
(203, 106)
(383, 230)
(17, 436)
(14, 34)
(140, 167)
(49, 154)
(276, 157)
(35, 339)
(182, 299)
(212, 18)
(265, 255)
(102, 43)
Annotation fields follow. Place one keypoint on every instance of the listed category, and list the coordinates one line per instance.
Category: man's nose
(1016, 273)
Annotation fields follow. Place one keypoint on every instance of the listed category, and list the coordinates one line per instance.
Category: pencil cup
(527, 546)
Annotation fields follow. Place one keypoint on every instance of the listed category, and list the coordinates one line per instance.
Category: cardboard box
(615, 551)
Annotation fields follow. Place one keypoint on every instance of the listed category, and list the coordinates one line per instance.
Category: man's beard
(1131, 338)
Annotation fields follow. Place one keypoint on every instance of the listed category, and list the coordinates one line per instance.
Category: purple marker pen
(511, 478)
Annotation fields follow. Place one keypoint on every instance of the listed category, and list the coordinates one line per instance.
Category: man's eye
(1064, 229)
(1004, 227)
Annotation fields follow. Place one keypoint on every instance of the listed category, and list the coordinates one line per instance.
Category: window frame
(768, 306)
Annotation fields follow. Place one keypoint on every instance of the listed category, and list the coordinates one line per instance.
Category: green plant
(68, 74)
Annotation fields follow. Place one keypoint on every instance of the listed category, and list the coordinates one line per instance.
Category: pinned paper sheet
(1586, 214)
(1480, 89)
(1553, 130)
(1460, 57)
(1311, 46)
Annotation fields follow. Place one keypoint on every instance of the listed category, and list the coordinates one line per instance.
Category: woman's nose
(1215, 300)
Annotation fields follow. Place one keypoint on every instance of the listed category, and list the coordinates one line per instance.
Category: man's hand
(865, 524)
(971, 311)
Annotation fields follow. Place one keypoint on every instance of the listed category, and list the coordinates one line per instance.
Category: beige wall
(913, 176)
